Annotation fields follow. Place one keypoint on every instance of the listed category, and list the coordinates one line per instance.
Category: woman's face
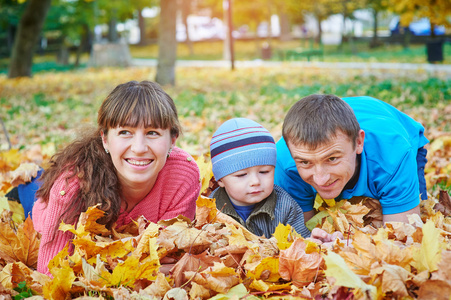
(138, 153)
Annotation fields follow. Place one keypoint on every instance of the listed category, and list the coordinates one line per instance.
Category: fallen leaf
(298, 266)
(337, 268)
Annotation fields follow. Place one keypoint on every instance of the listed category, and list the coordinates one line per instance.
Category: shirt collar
(267, 206)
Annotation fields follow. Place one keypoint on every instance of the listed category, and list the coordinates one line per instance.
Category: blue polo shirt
(388, 168)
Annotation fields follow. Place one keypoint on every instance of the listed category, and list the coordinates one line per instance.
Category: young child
(243, 155)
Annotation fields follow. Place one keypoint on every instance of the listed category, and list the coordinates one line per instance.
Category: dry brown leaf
(181, 236)
(176, 294)
(393, 279)
(14, 273)
(191, 262)
(24, 173)
(444, 268)
(198, 291)
(218, 278)
(444, 204)
(298, 266)
(159, 288)
(21, 244)
(434, 290)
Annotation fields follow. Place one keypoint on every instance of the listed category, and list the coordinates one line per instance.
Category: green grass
(251, 50)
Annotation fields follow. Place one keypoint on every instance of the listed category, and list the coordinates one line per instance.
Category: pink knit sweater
(175, 192)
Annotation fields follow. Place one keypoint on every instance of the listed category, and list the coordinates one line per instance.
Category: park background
(253, 59)
(59, 59)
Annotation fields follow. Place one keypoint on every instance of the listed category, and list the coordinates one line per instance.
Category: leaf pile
(215, 255)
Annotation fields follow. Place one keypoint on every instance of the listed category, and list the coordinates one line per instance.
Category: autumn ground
(45, 112)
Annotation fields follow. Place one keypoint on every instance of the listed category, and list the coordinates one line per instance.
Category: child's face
(249, 186)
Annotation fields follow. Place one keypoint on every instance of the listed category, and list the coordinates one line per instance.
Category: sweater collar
(267, 206)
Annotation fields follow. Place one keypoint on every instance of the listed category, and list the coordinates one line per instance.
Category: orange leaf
(22, 245)
(296, 265)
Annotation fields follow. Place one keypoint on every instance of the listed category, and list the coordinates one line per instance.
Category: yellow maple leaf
(147, 241)
(206, 172)
(237, 237)
(9, 160)
(269, 266)
(428, 255)
(87, 223)
(319, 201)
(123, 274)
(61, 284)
(338, 269)
(236, 292)
(263, 286)
(283, 236)
(15, 207)
(205, 210)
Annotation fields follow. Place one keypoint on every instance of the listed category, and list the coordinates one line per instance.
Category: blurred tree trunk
(186, 10)
(85, 43)
(320, 29)
(113, 35)
(142, 28)
(285, 31)
(27, 36)
(375, 41)
(167, 43)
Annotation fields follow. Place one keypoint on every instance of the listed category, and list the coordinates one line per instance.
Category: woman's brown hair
(129, 104)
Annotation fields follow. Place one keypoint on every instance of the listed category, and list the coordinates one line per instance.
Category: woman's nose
(139, 144)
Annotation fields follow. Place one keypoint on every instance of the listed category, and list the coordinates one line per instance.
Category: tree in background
(10, 12)
(320, 9)
(377, 7)
(437, 11)
(185, 9)
(167, 43)
(347, 8)
(27, 36)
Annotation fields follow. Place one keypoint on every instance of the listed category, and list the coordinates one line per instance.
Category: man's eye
(332, 159)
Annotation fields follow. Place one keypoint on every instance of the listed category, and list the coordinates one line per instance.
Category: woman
(130, 165)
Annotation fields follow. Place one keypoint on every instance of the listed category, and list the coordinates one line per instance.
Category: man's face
(330, 166)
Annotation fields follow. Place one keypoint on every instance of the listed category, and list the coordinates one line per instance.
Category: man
(358, 146)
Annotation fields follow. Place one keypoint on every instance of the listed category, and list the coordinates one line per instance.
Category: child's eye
(152, 133)
(264, 172)
(124, 132)
(240, 175)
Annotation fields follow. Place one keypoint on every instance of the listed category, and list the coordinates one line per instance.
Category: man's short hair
(315, 119)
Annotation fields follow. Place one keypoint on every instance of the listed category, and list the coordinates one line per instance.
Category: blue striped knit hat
(239, 144)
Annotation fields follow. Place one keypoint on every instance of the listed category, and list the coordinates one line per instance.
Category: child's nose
(254, 180)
